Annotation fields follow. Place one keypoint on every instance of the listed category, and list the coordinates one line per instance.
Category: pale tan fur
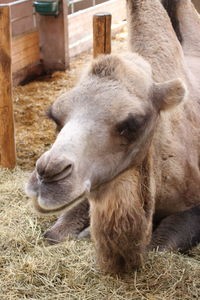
(130, 137)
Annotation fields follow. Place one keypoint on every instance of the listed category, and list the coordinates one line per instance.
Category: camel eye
(52, 117)
(131, 126)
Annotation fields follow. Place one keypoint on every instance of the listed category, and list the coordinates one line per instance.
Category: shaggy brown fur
(121, 222)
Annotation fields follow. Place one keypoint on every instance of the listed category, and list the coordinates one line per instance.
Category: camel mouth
(66, 207)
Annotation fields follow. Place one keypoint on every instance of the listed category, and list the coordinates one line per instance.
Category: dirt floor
(29, 269)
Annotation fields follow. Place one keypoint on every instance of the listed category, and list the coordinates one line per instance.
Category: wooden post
(7, 139)
(101, 34)
(53, 33)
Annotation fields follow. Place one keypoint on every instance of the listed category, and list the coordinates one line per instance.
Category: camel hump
(171, 8)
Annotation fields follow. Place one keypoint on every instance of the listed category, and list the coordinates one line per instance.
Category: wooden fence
(46, 43)
(25, 49)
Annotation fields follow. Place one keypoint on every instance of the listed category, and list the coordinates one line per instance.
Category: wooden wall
(22, 17)
(25, 50)
(25, 42)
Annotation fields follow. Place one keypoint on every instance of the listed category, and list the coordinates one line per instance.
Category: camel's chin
(65, 207)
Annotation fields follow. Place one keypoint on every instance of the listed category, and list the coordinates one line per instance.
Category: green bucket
(47, 8)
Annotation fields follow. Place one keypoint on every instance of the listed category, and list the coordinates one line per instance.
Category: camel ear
(168, 94)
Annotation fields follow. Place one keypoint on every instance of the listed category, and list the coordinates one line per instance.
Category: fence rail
(14, 3)
(76, 5)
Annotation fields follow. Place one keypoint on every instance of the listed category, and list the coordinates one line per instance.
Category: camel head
(106, 124)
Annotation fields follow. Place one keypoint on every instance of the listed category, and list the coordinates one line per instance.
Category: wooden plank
(23, 41)
(22, 9)
(25, 61)
(7, 138)
(25, 51)
(101, 34)
(54, 40)
(23, 25)
(22, 18)
(27, 74)
(5, 1)
(80, 24)
(84, 4)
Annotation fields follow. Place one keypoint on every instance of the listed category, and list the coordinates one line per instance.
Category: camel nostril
(60, 174)
(53, 168)
(67, 170)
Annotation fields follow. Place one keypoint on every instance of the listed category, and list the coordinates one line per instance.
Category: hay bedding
(31, 270)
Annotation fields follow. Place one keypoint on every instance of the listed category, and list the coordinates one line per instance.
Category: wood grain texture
(54, 40)
(7, 138)
(101, 34)
(22, 18)
(25, 51)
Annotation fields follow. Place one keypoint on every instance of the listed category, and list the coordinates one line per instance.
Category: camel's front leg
(178, 232)
(69, 224)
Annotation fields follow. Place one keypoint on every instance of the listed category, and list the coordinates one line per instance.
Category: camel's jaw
(65, 207)
(54, 197)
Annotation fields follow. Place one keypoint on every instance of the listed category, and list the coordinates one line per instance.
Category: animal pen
(33, 43)
(29, 269)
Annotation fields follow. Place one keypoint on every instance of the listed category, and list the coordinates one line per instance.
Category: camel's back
(177, 150)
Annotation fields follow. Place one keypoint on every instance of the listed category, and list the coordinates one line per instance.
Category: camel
(129, 142)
